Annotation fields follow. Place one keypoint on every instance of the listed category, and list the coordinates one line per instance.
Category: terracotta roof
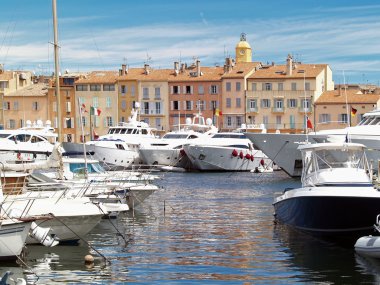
(6, 75)
(38, 89)
(99, 77)
(140, 74)
(353, 96)
(279, 71)
(241, 69)
(207, 74)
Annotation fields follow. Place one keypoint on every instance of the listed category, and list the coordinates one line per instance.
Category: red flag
(83, 108)
(353, 111)
(309, 124)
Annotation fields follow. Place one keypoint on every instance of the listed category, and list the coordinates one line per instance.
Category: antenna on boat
(81, 109)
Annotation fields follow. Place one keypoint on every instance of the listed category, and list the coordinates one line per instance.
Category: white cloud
(345, 41)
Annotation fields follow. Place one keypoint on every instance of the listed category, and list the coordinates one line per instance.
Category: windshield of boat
(230, 136)
(91, 168)
(334, 158)
(175, 136)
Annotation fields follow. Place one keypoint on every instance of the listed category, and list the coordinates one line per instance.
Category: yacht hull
(12, 239)
(218, 158)
(282, 149)
(328, 214)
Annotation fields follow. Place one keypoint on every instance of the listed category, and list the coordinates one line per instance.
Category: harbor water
(201, 228)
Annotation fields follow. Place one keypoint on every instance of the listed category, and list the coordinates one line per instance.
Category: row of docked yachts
(195, 145)
(49, 198)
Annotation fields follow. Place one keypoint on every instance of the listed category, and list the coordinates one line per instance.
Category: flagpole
(83, 139)
(91, 127)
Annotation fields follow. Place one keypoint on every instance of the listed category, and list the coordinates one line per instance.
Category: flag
(217, 112)
(353, 111)
(95, 111)
(83, 108)
(309, 124)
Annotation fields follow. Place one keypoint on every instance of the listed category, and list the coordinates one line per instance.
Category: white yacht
(33, 142)
(226, 151)
(168, 150)
(120, 146)
(282, 148)
(337, 196)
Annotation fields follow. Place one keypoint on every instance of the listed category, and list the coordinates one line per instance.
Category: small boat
(337, 198)
(369, 245)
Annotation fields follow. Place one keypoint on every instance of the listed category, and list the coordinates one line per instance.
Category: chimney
(183, 67)
(289, 65)
(123, 69)
(229, 64)
(176, 66)
(198, 63)
(146, 68)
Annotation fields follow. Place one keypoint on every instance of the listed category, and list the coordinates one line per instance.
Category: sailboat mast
(56, 65)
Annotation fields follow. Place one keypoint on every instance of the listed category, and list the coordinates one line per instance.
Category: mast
(56, 65)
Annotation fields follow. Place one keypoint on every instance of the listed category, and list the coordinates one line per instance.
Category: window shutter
(191, 89)
(171, 105)
(184, 105)
(171, 90)
(184, 89)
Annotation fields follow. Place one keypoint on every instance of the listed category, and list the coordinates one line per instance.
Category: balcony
(280, 94)
(253, 110)
(151, 112)
(305, 110)
(278, 110)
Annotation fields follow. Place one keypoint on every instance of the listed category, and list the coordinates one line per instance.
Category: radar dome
(188, 121)
(209, 121)
(137, 105)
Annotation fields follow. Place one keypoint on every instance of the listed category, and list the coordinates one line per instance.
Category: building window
(324, 118)
(267, 86)
(201, 90)
(266, 121)
(307, 86)
(238, 86)
(68, 81)
(35, 106)
(95, 101)
(292, 121)
(146, 108)
(81, 87)
(292, 103)
(12, 124)
(342, 118)
(108, 102)
(176, 90)
(123, 89)
(228, 86)
(279, 104)
(213, 89)
(228, 102)
(294, 86)
(158, 108)
(158, 123)
(229, 121)
(109, 121)
(109, 87)
(188, 89)
(145, 93)
(189, 105)
(123, 105)
(157, 92)
(95, 87)
(15, 105)
(254, 86)
(213, 105)
(84, 121)
(265, 103)
(238, 121)
(238, 102)
(7, 105)
(280, 86)
(175, 105)
(252, 104)
(306, 104)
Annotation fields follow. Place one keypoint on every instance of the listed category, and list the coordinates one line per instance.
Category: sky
(103, 35)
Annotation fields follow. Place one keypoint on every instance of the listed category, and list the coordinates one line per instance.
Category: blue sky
(101, 35)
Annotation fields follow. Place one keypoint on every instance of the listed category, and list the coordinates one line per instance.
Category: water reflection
(212, 228)
(318, 260)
